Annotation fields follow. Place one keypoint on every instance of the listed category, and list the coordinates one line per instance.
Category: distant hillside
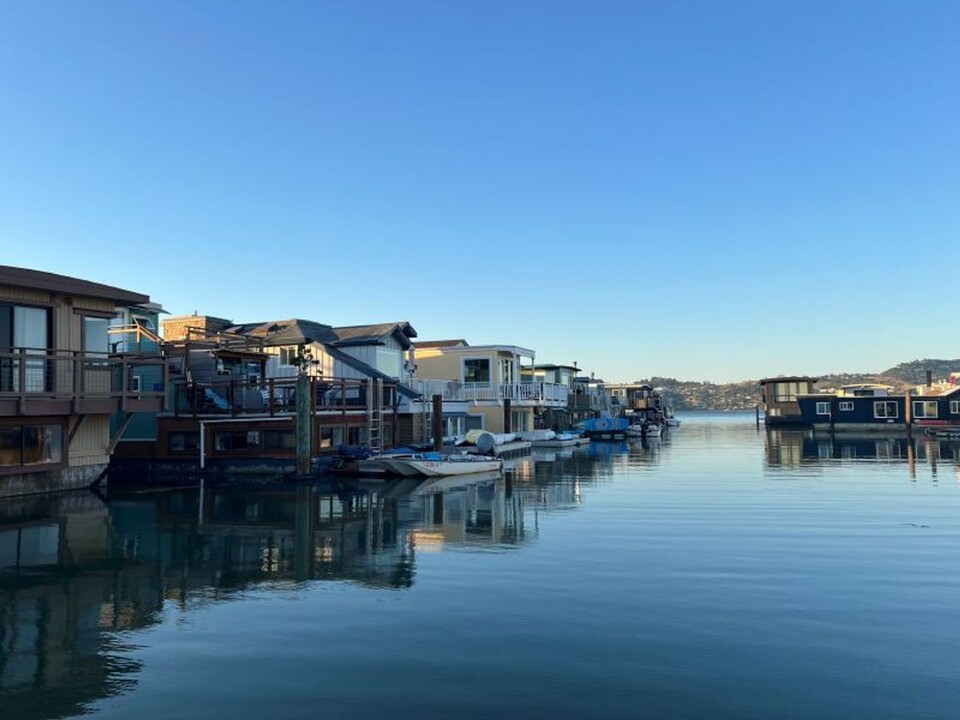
(687, 395)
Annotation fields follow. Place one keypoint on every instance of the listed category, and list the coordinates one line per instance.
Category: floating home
(232, 401)
(636, 402)
(67, 392)
(780, 406)
(869, 407)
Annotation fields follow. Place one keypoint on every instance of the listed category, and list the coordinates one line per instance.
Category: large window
(955, 407)
(823, 408)
(476, 370)
(389, 362)
(925, 408)
(788, 391)
(31, 444)
(26, 328)
(96, 341)
(885, 409)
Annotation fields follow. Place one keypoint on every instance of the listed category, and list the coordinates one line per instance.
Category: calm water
(724, 574)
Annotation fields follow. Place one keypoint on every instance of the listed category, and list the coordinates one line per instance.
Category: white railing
(523, 393)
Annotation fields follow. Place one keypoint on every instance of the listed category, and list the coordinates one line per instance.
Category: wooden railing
(28, 374)
(273, 396)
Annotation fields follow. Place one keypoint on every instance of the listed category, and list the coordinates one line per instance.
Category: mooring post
(304, 423)
(507, 416)
(908, 414)
(438, 422)
(757, 408)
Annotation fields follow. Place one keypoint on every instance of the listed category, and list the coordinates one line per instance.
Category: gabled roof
(376, 334)
(65, 285)
(287, 332)
(458, 342)
(368, 370)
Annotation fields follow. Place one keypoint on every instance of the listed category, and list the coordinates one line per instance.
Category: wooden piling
(908, 414)
(757, 408)
(438, 422)
(507, 417)
(304, 425)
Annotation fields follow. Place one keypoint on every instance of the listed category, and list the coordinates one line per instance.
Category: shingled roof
(66, 285)
(287, 332)
(375, 334)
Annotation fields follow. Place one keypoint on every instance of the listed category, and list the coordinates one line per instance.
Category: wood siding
(89, 446)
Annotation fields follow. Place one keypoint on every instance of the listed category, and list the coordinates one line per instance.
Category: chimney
(929, 378)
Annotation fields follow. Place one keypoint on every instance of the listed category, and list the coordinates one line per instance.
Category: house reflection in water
(59, 592)
(75, 568)
(795, 448)
(470, 511)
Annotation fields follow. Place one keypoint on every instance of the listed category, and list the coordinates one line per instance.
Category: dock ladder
(375, 414)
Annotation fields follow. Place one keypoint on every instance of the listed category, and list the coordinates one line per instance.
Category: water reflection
(78, 570)
(804, 449)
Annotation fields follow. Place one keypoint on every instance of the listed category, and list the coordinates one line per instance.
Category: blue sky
(705, 190)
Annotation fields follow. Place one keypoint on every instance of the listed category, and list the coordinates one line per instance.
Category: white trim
(846, 405)
(955, 407)
(885, 416)
(923, 404)
(823, 408)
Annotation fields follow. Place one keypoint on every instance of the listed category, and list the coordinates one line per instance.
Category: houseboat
(871, 407)
(779, 394)
(62, 381)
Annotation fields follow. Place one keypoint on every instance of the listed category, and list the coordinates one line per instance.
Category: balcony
(521, 394)
(51, 382)
(275, 396)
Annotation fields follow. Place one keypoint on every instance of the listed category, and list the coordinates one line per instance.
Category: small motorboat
(436, 464)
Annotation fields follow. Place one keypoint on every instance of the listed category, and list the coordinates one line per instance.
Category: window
(925, 408)
(955, 407)
(846, 406)
(96, 341)
(787, 391)
(285, 440)
(476, 370)
(885, 409)
(27, 328)
(236, 440)
(389, 362)
(331, 437)
(289, 355)
(823, 408)
(183, 441)
(357, 435)
(34, 444)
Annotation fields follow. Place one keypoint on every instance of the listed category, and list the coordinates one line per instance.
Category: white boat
(672, 422)
(551, 439)
(439, 465)
(645, 430)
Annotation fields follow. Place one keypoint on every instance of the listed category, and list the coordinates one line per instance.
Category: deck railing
(536, 393)
(32, 374)
(274, 396)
